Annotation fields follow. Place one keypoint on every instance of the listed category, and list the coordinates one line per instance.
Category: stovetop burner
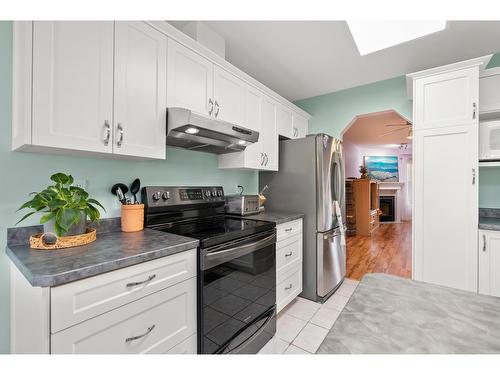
(216, 229)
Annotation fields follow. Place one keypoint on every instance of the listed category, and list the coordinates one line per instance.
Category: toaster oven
(242, 205)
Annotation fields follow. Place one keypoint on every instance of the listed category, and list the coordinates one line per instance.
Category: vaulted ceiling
(301, 59)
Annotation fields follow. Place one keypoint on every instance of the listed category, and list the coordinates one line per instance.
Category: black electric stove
(236, 266)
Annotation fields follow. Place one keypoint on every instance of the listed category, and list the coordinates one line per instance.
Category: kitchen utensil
(134, 189)
(120, 190)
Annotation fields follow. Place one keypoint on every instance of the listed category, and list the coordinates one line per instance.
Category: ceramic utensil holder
(132, 217)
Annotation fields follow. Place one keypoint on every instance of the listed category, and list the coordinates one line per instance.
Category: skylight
(371, 36)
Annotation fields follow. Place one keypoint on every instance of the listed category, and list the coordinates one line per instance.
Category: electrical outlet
(81, 183)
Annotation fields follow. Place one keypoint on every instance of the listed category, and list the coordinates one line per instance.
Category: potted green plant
(65, 207)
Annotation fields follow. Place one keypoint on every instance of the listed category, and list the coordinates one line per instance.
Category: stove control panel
(164, 196)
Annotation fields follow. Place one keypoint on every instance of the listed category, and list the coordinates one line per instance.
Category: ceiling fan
(401, 127)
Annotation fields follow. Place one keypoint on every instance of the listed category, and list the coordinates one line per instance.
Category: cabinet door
(153, 324)
(300, 126)
(448, 99)
(489, 263)
(284, 121)
(73, 85)
(269, 134)
(189, 79)
(229, 97)
(140, 90)
(446, 206)
(489, 92)
(253, 120)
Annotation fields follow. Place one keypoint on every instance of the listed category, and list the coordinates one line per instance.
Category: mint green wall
(332, 112)
(22, 173)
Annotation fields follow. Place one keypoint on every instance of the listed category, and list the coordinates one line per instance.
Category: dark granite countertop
(111, 251)
(278, 217)
(489, 218)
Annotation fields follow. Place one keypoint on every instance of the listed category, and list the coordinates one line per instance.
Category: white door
(229, 97)
(73, 85)
(448, 99)
(284, 121)
(489, 263)
(140, 90)
(299, 129)
(269, 134)
(189, 79)
(446, 206)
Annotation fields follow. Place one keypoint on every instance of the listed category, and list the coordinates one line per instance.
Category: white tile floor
(303, 324)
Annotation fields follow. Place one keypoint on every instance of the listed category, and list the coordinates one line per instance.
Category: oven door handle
(212, 259)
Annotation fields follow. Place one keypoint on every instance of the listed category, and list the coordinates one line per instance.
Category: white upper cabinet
(73, 85)
(489, 93)
(489, 263)
(140, 90)
(447, 99)
(445, 158)
(300, 126)
(229, 97)
(269, 135)
(189, 79)
(284, 121)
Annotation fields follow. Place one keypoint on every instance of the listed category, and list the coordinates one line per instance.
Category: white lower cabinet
(288, 262)
(153, 324)
(145, 308)
(489, 262)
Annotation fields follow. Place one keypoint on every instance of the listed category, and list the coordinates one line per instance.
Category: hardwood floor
(388, 250)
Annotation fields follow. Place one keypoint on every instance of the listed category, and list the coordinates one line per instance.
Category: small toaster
(242, 205)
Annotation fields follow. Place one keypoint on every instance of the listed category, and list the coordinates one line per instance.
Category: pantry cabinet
(73, 85)
(97, 86)
(445, 161)
(189, 79)
(489, 262)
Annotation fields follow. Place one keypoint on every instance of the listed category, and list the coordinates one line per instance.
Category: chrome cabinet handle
(129, 285)
(288, 287)
(473, 176)
(141, 336)
(120, 131)
(261, 158)
(216, 108)
(107, 127)
(289, 254)
(288, 229)
(210, 106)
(267, 159)
(474, 110)
(484, 242)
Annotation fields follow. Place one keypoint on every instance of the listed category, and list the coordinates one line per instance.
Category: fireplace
(388, 208)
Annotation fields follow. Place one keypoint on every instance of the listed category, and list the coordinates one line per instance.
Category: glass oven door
(237, 295)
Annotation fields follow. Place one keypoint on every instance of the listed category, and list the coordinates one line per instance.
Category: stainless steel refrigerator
(310, 180)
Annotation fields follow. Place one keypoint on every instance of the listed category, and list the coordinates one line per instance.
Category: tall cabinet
(445, 157)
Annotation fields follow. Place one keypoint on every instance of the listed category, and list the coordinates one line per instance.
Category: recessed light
(371, 36)
(192, 130)
(242, 142)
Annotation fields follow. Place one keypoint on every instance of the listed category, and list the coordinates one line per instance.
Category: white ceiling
(372, 129)
(301, 59)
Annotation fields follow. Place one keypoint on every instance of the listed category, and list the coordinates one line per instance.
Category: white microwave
(489, 140)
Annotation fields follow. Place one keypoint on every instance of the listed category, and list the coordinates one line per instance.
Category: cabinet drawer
(153, 324)
(188, 346)
(81, 300)
(287, 230)
(288, 251)
(289, 286)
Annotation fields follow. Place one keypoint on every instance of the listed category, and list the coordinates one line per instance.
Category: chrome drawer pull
(288, 287)
(141, 336)
(141, 282)
(288, 229)
(289, 254)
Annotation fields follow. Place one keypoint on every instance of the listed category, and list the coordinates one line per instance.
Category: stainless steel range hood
(191, 130)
